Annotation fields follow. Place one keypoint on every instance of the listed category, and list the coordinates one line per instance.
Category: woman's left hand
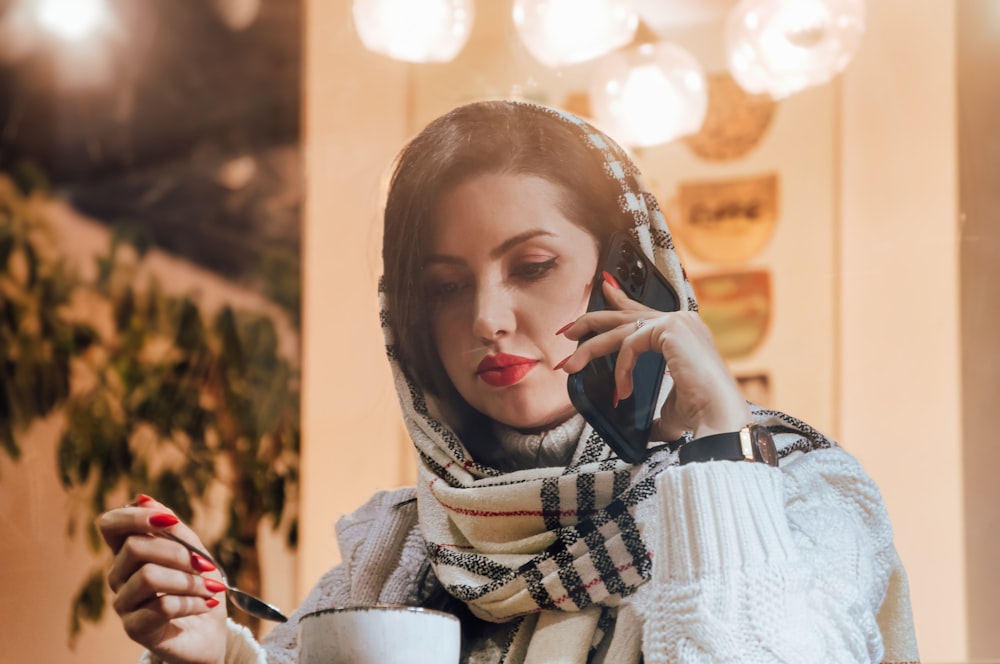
(704, 398)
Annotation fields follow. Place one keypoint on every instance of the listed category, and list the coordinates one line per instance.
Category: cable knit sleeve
(382, 553)
(757, 564)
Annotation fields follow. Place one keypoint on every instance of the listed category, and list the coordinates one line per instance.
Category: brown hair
(471, 140)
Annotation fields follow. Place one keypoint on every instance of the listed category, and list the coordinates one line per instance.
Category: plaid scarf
(556, 550)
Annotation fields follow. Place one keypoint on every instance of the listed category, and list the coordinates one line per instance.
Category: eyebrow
(498, 250)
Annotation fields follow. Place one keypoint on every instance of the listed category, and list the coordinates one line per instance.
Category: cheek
(445, 334)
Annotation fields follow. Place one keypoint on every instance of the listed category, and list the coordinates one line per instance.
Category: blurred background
(190, 200)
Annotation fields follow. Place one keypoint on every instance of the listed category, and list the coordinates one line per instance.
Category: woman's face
(505, 271)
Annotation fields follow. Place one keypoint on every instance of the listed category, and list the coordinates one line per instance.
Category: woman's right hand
(170, 600)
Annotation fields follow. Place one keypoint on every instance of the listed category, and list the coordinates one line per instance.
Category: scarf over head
(554, 547)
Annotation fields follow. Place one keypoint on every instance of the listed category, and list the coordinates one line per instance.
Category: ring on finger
(639, 323)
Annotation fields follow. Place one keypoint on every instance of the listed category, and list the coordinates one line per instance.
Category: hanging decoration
(414, 30)
(726, 221)
(779, 47)
(735, 123)
(649, 94)
(565, 32)
(736, 307)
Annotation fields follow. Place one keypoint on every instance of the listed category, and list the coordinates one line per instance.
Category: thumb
(668, 426)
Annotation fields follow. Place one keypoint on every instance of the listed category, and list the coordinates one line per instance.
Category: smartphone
(626, 427)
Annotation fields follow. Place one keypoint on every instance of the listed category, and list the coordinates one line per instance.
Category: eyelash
(529, 271)
(534, 270)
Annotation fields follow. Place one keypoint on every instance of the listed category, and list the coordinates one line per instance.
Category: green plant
(36, 341)
(200, 411)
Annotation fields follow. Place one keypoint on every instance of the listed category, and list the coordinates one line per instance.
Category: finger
(644, 338)
(118, 524)
(154, 581)
(156, 615)
(140, 550)
(608, 341)
(619, 299)
(668, 427)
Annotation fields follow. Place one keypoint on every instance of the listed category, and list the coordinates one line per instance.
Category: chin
(533, 422)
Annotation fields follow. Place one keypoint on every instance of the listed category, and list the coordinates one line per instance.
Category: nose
(494, 314)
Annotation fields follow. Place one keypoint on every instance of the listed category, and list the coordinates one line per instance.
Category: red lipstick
(502, 370)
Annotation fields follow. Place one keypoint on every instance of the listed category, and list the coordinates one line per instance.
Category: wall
(901, 396)
(355, 119)
(978, 38)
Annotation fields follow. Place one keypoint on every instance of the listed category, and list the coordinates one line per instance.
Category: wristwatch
(751, 443)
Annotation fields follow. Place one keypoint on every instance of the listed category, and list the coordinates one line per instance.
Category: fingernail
(163, 520)
(564, 328)
(611, 280)
(211, 602)
(562, 362)
(142, 498)
(201, 564)
(614, 399)
(213, 586)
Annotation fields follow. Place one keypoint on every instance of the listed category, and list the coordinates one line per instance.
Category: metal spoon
(242, 600)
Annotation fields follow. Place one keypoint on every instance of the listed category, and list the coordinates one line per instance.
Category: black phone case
(625, 428)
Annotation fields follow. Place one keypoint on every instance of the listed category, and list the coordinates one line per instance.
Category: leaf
(231, 350)
(124, 309)
(6, 246)
(190, 331)
(88, 603)
(8, 441)
(84, 336)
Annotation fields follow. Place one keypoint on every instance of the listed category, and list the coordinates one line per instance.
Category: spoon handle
(193, 549)
(242, 600)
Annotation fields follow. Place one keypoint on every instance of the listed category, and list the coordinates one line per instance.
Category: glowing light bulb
(779, 47)
(72, 20)
(649, 94)
(562, 32)
(414, 30)
(237, 14)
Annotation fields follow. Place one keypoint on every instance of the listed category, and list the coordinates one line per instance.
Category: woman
(524, 523)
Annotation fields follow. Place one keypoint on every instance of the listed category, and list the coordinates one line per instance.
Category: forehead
(488, 208)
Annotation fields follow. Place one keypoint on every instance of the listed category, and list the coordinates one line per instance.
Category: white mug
(380, 634)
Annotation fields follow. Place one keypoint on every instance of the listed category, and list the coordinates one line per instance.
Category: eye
(533, 270)
(444, 290)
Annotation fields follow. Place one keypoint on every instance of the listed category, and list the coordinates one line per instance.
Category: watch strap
(716, 447)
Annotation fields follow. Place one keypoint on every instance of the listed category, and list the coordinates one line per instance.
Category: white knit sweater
(752, 564)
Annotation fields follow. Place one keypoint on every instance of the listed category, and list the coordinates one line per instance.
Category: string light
(649, 94)
(414, 30)
(72, 20)
(563, 32)
(779, 47)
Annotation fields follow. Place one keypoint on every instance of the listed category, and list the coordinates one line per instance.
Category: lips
(502, 370)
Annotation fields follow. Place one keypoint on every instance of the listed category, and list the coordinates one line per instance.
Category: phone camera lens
(622, 272)
(639, 272)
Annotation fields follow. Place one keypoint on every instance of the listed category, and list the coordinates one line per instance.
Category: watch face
(765, 445)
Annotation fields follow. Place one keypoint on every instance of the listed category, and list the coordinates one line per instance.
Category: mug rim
(379, 607)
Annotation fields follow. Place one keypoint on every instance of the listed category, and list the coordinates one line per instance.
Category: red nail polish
(561, 363)
(163, 520)
(213, 586)
(201, 564)
(611, 280)
(211, 602)
(614, 399)
(564, 328)
(142, 498)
